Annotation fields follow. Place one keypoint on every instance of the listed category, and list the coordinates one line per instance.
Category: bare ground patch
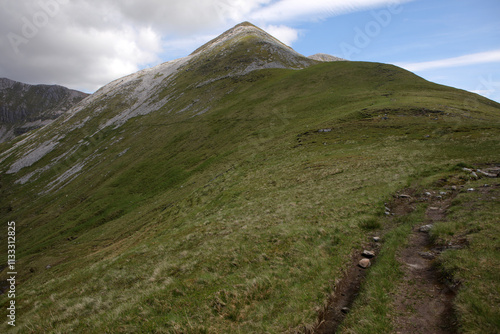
(423, 302)
(345, 292)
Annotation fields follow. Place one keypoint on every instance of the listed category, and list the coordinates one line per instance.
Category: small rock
(487, 174)
(453, 187)
(443, 193)
(48, 266)
(425, 228)
(474, 175)
(467, 170)
(364, 263)
(427, 255)
(376, 239)
(345, 310)
(368, 254)
(433, 208)
(428, 193)
(470, 190)
(404, 196)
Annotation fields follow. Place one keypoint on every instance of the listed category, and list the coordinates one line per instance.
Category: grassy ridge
(240, 218)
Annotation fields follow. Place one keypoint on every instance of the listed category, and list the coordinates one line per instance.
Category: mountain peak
(246, 24)
(245, 48)
(239, 33)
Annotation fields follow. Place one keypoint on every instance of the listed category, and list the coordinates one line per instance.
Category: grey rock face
(25, 107)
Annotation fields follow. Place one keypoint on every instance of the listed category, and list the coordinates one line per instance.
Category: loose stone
(368, 254)
(425, 228)
(364, 263)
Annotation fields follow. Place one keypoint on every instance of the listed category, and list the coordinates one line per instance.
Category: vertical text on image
(11, 265)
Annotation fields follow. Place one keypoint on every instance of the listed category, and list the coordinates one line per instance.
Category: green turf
(239, 219)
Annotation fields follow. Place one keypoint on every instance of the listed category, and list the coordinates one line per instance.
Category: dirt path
(423, 303)
(345, 292)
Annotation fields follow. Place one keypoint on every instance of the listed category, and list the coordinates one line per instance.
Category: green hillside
(241, 218)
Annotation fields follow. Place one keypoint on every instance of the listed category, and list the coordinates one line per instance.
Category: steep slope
(238, 51)
(224, 191)
(26, 107)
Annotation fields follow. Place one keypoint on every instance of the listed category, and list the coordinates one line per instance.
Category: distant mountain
(25, 107)
(233, 189)
(325, 57)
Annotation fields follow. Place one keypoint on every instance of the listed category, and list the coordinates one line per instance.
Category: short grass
(237, 220)
(473, 222)
(373, 310)
(472, 225)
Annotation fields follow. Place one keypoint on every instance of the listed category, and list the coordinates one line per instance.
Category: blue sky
(417, 33)
(84, 44)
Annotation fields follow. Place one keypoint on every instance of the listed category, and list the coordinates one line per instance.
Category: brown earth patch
(423, 302)
(345, 292)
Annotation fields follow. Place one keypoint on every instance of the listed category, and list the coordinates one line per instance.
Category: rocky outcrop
(25, 107)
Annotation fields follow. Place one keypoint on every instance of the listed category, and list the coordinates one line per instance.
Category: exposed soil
(424, 304)
(345, 292)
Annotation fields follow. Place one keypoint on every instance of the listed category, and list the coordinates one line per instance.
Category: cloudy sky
(84, 44)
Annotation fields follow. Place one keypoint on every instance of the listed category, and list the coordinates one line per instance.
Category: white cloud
(85, 44)
(88, 43)
(285, 34)
(285, 10)
(470, 59)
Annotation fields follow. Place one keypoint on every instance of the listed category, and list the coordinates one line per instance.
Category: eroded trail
(346, 291)
(424, 304)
